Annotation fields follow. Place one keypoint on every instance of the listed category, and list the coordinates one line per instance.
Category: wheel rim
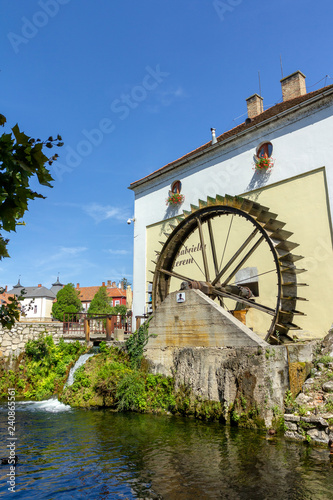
(220, 259)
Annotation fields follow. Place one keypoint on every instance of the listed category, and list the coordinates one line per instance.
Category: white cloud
(118, 252)
(72, 250)
(166, 98)
(103, 212)
(99, 212)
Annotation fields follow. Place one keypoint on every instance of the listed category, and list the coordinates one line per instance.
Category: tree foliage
(101, 303)
(125, 283)
(21, 160)
(68, 303)
(120, 309)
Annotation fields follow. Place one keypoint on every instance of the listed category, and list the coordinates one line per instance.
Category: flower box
(264, 164)
(175, 199)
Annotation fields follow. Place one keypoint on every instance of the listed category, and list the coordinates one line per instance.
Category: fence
(82, 325)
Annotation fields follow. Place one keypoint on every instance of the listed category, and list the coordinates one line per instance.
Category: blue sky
(131, 86)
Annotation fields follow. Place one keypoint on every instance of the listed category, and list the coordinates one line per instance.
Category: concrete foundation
(258, 376)
(191, 318)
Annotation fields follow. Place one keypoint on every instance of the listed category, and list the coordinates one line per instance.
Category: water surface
(97, 454)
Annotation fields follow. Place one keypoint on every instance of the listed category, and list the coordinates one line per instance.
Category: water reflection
(101, 454)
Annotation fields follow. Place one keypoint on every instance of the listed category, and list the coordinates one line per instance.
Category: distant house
(4, 297)
(37, 302)
(119, 296)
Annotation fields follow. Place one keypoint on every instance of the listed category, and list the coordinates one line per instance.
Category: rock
(292, 418)
(302, 399)
(328, 386)
(291, 426)
(330, 365)
(294, 435)
(318, 436)
(315, 420)
(308, 384)
(321, 366)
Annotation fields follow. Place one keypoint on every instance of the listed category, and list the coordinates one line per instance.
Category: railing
(83, 325)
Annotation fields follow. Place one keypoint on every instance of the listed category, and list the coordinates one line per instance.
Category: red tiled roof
(269, 113)
(4, 297)
(87, 293)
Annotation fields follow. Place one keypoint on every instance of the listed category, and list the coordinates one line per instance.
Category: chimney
(214, 140)
(39, 286)
(114, 284)
(293, 86)
(6, 289)
(103, 283)
(77, 286)
(109, 283)
(255, 105)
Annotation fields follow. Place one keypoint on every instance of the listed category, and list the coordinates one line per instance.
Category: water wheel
(237, 252)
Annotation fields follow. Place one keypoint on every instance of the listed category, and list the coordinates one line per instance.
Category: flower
(175, 199)
(263, 163)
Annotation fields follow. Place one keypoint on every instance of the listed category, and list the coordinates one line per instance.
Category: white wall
(302, 141)
(44, 307)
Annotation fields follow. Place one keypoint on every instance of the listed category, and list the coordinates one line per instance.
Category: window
(176, 187)
(265, 150)
(117, 302)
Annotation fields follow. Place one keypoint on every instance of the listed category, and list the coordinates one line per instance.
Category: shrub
(131, 392)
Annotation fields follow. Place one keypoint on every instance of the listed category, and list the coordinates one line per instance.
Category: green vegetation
(136, 344)
(101, 303)
(68, 303)
(21, 161)
(329, 404)
(109, 379)
(324, 360)
(289, 400)
(41, 370)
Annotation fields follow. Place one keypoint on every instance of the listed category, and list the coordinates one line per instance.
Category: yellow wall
(302, 203)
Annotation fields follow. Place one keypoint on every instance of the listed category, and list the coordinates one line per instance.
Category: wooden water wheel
(237, 252)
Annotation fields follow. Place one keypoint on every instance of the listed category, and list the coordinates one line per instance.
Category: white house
(296, 135)
(37, 302)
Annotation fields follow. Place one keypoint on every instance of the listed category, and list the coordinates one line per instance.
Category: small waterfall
(82, 359)
(49, 405)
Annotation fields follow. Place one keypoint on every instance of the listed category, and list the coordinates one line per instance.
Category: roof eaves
(244, 129)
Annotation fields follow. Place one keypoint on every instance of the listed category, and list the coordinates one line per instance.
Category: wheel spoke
(242, 262)
(195, 262)
(234, 257)
(255, 276)
(175, 275)
(212, 245)
(203, 248)
(226, 241)
(242, 300)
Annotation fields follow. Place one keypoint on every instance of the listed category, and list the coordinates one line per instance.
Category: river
(68, 453)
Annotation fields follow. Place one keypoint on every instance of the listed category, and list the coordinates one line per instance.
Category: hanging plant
(175, 199)
(263, 163)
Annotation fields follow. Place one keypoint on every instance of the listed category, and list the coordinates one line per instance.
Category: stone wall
(258, 376)
(12, 342)
(311, 428)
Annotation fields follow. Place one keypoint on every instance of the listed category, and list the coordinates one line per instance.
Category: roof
(262, 117)
(4, 297)
(32, 292)
(56, 286)
(87, 293)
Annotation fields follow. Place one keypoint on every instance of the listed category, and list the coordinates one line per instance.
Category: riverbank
(40, 370)
(122, 381)
(309, 415)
